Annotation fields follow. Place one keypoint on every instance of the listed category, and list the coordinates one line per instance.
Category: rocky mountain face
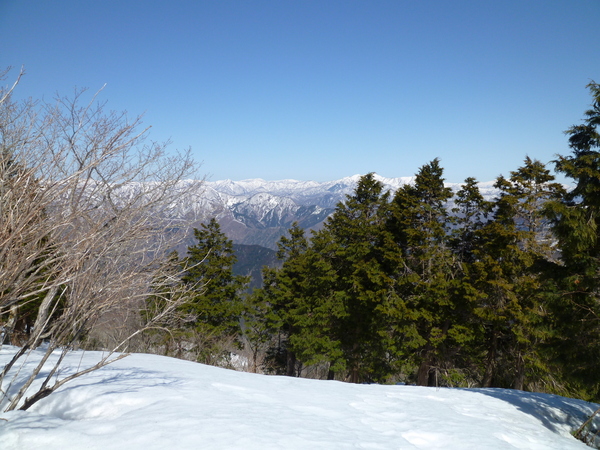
(259, 212)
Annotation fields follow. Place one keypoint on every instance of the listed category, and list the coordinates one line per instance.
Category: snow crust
(153, 402)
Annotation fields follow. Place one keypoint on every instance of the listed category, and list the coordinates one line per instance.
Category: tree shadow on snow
(92, 393)
(553, 411)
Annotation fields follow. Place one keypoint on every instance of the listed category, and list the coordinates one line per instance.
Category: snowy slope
(151, 402)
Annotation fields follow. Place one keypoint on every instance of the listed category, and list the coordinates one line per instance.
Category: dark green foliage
(285, 290)
(420, 226)
(481, 296)
(472, 212)
(300, 300)
(213, 312)
(329, 300)
(357, 249)
(504, 280)
(400, 284)
(258, 328)
(576, 220)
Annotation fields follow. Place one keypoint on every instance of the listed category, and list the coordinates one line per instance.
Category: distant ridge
(259, 212)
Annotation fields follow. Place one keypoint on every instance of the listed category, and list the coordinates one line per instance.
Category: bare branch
(85, 230)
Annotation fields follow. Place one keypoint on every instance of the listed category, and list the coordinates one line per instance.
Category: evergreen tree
(419, 223)
(258, 331)
(331, 299)
(285, 290)
(314, 315)
(357, 245)
(530, 188)
(214, 312)
(471, 212)
(576, 225)
(506, 277)
(285, 308)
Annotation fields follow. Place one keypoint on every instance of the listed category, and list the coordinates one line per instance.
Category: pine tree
(531, 187)
(471, 214)
(315, 313)
(331, 299)
(258, 331)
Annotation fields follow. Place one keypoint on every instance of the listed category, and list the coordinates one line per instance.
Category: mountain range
(259, 212)
(255, 213)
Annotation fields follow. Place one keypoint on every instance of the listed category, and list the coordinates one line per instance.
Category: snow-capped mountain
(306, 193)
(258, 212)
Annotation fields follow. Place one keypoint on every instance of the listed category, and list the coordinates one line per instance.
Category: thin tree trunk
(330, 374)
(291, 364)
(424, 367)
(354, 378)
(9, 326)
(254, 361)
(490, 363)
(432, 379)
(519, 382)
(423, 372)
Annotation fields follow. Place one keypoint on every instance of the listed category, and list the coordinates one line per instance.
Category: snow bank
(152, 402)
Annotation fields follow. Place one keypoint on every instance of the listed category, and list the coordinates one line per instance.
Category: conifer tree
(261, 338)
(291, 307)
(420, 223)
(285, 290)
(576, 225)
(315, 313)
(530, 188)
(216, 308)
(359, 247)
(506, 277)
(471, 213)
(332, 299)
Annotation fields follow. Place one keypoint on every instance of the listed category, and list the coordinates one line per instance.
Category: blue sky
(319, 90)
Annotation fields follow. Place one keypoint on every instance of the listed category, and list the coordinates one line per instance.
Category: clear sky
(319, 90)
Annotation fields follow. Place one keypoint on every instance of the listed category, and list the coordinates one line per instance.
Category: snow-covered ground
(152, 402)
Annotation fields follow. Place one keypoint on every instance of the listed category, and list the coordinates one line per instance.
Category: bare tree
(85, 230)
